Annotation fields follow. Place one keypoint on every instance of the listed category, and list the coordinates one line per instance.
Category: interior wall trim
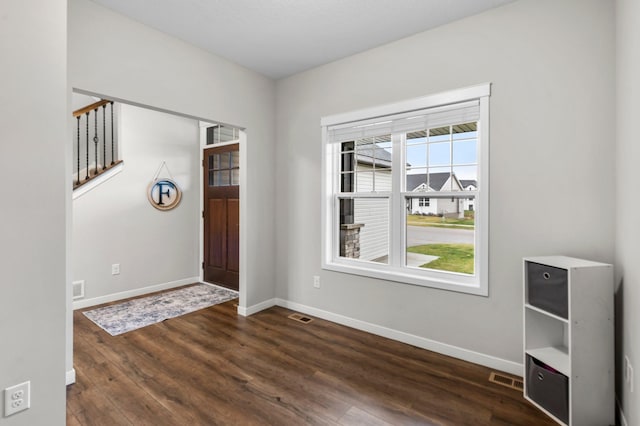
(70, 377)
(85, 303)
(489, 361)
(247, 311)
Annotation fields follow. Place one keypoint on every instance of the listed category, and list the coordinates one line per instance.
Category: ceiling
(278, 38)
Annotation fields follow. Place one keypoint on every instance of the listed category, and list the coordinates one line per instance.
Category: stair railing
(93, 170)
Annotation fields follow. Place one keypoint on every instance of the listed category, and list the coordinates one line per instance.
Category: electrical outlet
(115, 269)
(17, 398)
(316, 281)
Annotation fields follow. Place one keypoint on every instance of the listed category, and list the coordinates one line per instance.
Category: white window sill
(438, 280)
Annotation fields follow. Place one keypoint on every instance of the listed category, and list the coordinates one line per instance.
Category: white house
(429, 203)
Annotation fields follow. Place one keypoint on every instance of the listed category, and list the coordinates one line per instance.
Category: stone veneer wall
(350, 240)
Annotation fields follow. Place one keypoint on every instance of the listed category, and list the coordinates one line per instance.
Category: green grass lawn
(417, 220)
(452, 257)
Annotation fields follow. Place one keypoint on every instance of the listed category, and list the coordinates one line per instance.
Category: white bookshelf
(568, 331)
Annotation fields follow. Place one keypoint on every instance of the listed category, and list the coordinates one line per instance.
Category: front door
(222, 215)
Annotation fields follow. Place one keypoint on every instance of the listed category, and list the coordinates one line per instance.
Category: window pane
(467, 175)
(367, 237)
(382, 165)
(363, 146)
(417, 155)
(382, 156)
(219, 133)
(440, 134)
(383, 180)
(347, 146)
(235, 159)
(222, 178)
(465, 131)
(347, 181)
(465, 152)
(216, 161)
(441, 234)
(372, 161)
(235, 177)
(440, 179)
(347, 162)
(439, 154)
(419, 136)
(364, 181)
(416, 180)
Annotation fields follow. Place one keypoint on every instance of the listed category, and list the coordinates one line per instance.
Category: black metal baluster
(95, 141)
(87, 177)
(112, 161)
(104, 137)
(78, 153)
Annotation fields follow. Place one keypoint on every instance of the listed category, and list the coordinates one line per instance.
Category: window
(220, 133)
(406, 190)
(224, 168)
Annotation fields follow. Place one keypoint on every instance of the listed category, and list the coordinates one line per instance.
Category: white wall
(628, 204)
(33, 214)
(132, 62)
(552, 114)
(115, 223)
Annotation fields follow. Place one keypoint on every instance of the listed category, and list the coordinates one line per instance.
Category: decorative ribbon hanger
(163, 164)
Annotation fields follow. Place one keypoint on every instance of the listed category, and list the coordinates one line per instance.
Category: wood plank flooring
(214, 367)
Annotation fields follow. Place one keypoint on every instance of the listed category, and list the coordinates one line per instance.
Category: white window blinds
(409, 121)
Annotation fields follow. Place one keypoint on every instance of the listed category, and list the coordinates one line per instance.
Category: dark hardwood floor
(214, 367)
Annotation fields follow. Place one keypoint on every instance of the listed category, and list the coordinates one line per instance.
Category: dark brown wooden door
(222, 215)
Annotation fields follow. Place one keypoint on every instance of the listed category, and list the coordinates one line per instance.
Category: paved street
(417, 235)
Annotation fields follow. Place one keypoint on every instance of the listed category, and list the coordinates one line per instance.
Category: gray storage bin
(548, 388)
(547, 288)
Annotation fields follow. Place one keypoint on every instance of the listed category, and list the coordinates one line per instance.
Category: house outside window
(381, 163)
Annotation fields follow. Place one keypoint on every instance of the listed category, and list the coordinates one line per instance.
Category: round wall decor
(164, 194)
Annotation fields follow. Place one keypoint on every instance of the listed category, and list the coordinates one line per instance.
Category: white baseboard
(245, 312)
(85, 303)
(70, 377)
(421, 342)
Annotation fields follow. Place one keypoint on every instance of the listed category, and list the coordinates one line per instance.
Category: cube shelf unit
(569, 339)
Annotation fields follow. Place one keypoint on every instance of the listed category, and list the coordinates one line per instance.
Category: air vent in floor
(507, 381)
(300, 318)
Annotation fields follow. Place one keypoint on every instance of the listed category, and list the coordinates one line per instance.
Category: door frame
(242, 142)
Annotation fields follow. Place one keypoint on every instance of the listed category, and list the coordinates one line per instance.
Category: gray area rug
(138, 313)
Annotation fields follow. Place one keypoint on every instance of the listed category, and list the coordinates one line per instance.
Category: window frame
(395, 270)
